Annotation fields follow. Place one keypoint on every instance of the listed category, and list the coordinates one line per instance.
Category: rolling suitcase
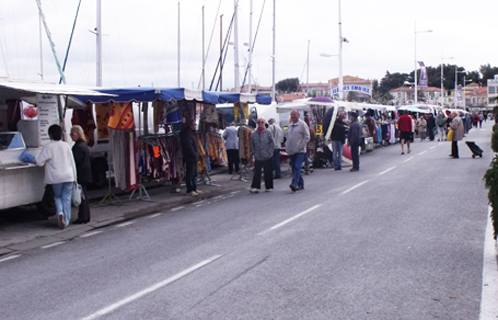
(476, 151)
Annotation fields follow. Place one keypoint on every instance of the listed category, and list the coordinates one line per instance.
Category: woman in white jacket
(60, 172)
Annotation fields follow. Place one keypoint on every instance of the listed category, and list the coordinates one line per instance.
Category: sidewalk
(24, 235)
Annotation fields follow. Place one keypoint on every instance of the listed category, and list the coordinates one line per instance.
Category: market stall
(27, 109)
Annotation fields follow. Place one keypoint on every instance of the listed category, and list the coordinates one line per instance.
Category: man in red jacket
(405, 131)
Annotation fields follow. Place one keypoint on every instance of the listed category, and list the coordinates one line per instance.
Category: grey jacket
(231, 136)
(278, 135)
(262, 145)
(458, 130)
(298, 136)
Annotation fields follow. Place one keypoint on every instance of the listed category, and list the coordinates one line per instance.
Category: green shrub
(491, 182)
(494, 138)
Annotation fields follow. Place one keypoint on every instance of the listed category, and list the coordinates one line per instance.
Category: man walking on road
(231, 136)
(297, 140)
(405, 131)
(354, 138)
(278, 138)
(190, 156)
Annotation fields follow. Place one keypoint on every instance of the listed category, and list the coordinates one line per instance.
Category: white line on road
(177, 208)
(386, 171)
(151, 289)
(10, 258)
(234, 192)
(55, 244)
(155, 215)
(124, 224)
(89, 234)
(432, 147)
(421, 153)
(354, 187)
(489, 308)
(294, 217)
(409, 159)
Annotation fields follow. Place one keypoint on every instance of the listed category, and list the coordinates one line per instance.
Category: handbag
(76, 195)
(450, 135)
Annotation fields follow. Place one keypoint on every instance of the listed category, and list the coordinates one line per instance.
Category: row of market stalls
(138, 126)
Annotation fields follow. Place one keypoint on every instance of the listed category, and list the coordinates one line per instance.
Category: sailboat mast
(274, 98)
(250, 48)
(98, 33)
(236, 46)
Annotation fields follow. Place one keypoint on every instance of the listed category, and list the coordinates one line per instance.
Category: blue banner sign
(363, 89)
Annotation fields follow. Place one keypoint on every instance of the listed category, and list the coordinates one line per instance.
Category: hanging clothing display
(216, 148)
(245, 143)
(121, 117)
(122, 147)
(160, 157)
(102, 113)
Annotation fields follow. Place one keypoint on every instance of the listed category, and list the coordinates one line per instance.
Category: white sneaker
(192, 194)
(254, 190)
(199, 192)
(269, 190)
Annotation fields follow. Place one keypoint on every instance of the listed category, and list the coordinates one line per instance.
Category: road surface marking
(124, 224)
(10, 258)
(421, 153)
(234, 192)
(386, 171)
(294, 217)
(155, 215)
(55, 244)
(409, 159)
(489, 308)
(433, 147)
(177, 208)
(354, 187)
(89, 234)
(150, 289)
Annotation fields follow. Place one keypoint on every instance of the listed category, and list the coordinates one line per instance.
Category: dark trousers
(431, 133)
(355, 155)
(191, 176)
(276, 163)
(233, 160)
(268, 173)
(454, 149)
(84, 209)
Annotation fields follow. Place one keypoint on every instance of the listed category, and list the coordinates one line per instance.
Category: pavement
(23, 229)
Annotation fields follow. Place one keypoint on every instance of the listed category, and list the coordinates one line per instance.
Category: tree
(487, 73)
(288, 85)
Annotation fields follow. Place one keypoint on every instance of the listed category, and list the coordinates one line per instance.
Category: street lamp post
(442, 77)
(456, 84)
(415, 75)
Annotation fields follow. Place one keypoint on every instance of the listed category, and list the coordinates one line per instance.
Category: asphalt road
(401, 239)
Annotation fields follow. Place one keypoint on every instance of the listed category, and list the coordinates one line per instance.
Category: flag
(422, 82)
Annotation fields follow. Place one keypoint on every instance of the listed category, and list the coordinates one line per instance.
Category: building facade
(492, 93)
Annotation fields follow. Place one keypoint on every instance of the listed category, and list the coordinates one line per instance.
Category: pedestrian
(354, 140)
(481, 118)
(405, 131)
(190, 149)
(476, 120)
(298, 136)
(441, 127)
(458, 131)
(60, 172)
(431, 125)
(81, 155)
(338, 138)
(278, 139)
(422, 127)
(262, 148)
(231, 136)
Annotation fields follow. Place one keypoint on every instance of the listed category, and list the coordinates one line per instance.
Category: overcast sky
(140, 39)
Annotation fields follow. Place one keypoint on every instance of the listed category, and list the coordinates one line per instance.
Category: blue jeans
(191, 176)
(337, 148)
(63, 192)
(276, 163)
(296, 162)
